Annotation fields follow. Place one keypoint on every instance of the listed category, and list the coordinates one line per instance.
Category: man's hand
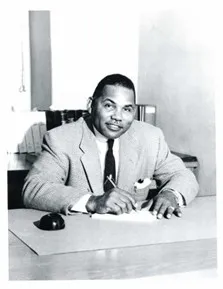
(164, 204)
(115, 201)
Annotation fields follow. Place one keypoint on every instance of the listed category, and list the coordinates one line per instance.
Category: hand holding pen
(115, 201)
(115, 186)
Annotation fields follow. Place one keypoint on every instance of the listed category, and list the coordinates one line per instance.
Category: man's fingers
(123, 202)
(169, 212)
(178, 212)
(122, 205)
(128, 196)
(125, 197)
(114, 209)
(128, 205)
(157, 205)
(119, 200)
(162, 210)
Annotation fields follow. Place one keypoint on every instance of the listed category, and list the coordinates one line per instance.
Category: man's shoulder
(140, 127)
(68, 130)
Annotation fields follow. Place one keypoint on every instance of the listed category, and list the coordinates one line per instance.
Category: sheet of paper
(134, 216)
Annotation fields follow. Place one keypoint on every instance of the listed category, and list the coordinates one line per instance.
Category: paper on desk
(139, 216)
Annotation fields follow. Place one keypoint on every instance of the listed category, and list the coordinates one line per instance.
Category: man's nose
(117, 114)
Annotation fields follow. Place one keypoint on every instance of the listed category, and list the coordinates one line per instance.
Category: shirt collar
(102, 138)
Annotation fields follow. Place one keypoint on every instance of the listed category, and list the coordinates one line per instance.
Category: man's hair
(113, 79)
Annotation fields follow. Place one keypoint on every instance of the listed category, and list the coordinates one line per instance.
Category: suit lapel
(90, 159)
(128, 157)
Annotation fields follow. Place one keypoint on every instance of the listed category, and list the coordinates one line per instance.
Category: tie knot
(110, 143)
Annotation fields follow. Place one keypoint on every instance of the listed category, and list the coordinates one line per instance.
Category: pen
(114, 185)
(111, 181)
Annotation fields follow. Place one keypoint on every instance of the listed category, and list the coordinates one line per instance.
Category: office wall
(40, 55)
(16, 56)
(176, 74)
(87, 44)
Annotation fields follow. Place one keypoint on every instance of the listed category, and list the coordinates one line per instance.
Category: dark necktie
(109, 166)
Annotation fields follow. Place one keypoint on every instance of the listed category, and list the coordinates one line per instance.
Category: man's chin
(113, 134)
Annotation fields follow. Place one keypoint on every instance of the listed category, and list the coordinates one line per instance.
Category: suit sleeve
(44, 186)
(171, 173)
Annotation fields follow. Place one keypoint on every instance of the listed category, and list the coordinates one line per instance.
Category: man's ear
(89, 104)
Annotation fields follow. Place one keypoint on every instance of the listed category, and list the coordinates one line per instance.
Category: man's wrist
(179, 197)
(173, 194)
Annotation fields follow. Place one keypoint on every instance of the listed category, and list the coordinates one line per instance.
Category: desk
(120, 263)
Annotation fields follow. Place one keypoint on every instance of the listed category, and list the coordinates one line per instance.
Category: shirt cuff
(80, 206)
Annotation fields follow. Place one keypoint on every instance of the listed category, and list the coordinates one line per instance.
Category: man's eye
(108, 105)
(128, 109)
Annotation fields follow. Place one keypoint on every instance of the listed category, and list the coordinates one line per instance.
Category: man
(103, 163)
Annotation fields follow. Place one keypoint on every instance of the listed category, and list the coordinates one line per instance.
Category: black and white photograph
(111, 142)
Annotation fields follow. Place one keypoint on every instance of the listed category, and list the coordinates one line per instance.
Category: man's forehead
(118, 92)
(115, 87)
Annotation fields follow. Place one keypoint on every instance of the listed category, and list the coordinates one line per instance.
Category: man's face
(113, 112)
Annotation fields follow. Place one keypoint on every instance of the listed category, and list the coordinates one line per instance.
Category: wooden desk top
(120, 263)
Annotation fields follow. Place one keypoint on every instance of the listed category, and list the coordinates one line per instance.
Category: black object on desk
(51, 221)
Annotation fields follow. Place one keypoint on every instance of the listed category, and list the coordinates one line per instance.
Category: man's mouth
(114, 127)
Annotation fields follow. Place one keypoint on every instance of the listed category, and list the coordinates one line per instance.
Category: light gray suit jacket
(69, 166)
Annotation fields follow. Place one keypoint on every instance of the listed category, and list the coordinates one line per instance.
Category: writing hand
(115, 201)
(164, 204)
